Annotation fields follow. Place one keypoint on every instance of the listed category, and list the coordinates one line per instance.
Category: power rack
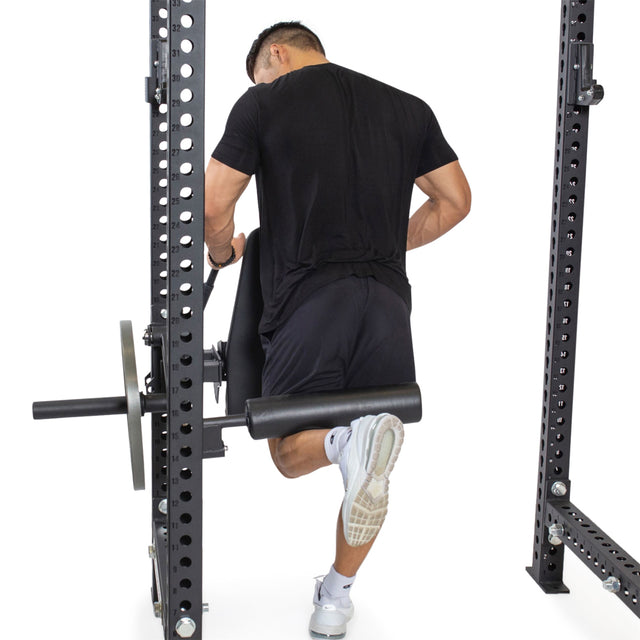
(182, 438)
(558, 522)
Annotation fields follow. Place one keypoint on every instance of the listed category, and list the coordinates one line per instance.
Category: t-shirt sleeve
(238, 147)
(436, 151)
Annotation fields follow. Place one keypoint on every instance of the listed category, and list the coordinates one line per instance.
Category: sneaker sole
(322, 636)
(364, 513)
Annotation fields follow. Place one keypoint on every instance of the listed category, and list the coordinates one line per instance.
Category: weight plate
(134, 407)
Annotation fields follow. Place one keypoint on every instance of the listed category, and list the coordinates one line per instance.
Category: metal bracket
(584, 90)
(213, 370)
(156, 87)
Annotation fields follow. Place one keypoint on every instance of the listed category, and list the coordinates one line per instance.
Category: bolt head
(157, 609)
(556, 531)
(162, 507)
(185, 627)
(152, 551)
(611, 584)
(559, 489)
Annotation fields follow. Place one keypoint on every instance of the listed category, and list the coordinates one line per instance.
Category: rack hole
(185, 452)
(186, 473)
(185, 360)
(185, 583)
(185, 562)
(186, 518)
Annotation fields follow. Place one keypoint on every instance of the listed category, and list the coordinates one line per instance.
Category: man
(336, 155)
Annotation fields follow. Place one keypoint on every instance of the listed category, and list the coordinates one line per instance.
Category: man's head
(270, 54)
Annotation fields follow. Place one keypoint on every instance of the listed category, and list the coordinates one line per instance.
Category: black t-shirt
(335, 155)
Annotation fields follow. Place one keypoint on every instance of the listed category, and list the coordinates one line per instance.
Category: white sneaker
(330, 615)
(373, 451)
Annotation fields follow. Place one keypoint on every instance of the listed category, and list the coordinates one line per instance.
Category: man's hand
(238, 243)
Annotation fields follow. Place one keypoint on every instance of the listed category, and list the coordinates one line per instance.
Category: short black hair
(293, 33)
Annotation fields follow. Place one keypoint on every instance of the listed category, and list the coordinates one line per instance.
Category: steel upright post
(176, 93)
(558, 522)
(564, 279)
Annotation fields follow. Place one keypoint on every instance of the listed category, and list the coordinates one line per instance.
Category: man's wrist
(219, 265)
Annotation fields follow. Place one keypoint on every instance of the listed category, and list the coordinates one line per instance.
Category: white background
(450, 560)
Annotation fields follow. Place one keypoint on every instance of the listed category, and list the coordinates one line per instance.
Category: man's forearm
(449, 202)
(432, 220)
(223, 187)
(218, 233)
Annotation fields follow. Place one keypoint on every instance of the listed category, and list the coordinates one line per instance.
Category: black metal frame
(558, 521)
(175, 91)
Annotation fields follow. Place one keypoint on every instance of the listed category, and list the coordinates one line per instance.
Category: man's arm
(449, 202)
(222, 188)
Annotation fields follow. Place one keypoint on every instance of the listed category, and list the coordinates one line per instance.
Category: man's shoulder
(379, 85)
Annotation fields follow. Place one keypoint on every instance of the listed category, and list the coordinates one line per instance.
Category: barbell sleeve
(79, 408)
(87, 407)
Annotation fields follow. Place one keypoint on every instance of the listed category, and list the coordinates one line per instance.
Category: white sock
(335, 586)
(335, 442)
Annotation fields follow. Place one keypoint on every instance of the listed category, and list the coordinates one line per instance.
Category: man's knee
(281, 457)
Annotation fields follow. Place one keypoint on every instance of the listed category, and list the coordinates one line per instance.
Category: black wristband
(226, 263)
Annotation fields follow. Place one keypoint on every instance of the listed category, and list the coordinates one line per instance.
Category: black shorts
(350, 334)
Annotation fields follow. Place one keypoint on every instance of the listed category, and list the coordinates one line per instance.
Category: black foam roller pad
(279, 416)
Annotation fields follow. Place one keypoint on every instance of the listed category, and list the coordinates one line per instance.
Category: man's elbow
(461, 206)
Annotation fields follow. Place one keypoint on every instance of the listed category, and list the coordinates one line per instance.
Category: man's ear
(280, 51)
